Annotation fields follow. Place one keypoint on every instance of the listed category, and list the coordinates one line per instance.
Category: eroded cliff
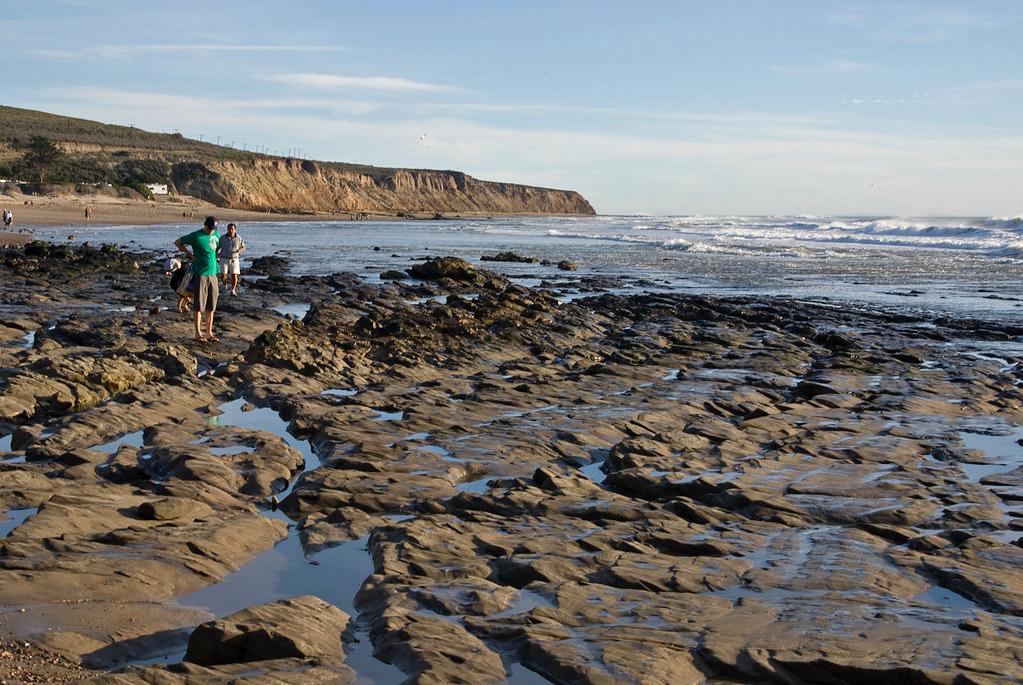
(302, 185)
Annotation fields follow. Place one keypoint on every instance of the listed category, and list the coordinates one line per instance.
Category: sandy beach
(68, 210)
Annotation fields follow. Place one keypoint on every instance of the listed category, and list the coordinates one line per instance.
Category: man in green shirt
(201, 248)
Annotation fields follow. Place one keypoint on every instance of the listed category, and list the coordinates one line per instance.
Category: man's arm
(183, 248)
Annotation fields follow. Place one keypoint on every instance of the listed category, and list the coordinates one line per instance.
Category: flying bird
(422, 137)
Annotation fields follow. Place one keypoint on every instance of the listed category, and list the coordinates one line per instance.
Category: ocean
(960, 266)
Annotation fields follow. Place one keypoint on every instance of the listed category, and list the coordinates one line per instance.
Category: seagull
(872, 184)
(422, 137)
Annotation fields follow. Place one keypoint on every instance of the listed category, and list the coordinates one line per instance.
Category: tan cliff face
(301, 185)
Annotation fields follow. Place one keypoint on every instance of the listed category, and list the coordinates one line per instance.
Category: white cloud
(970, 94)
(338, 82)
(145, 101)
(728, 166)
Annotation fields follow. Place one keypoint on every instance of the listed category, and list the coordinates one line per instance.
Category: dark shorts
(176, 277)
(205, 290)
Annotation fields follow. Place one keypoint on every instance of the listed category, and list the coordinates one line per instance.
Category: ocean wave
(803, 236)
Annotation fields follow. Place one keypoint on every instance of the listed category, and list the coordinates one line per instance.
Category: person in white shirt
(231, 247)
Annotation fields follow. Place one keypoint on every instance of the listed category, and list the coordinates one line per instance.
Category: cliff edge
(284, 184)
(94, 154)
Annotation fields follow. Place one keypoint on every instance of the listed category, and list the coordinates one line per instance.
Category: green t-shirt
(204, 247)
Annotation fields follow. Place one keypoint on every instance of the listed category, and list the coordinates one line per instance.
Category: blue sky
(678, 107)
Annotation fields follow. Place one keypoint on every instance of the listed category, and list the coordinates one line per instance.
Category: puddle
(335, 575)
(134, 439)
(414, 437)
(28, 340)
(296, 310)
(268, 420)
(593, 472)
(262, 419)
(231, 451)
(948, 599)
(5, 442)
(1004, 452)
(477, 486)
(443, 453)
(441, 299)
(731, 375)
(525, 601)
(526, 412)
(340, 392)
(15, 517)
(384, 415)
(671, 375)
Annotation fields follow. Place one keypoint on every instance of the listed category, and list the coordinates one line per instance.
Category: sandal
(213, 338)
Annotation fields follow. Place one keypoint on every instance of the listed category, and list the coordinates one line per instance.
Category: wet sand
(70, 211)
(11, 239)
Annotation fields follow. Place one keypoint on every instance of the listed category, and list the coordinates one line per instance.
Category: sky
(673, 107)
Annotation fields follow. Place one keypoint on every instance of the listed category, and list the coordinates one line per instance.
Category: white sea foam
(998, 237)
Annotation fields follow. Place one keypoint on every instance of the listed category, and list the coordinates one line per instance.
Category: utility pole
(218, 140)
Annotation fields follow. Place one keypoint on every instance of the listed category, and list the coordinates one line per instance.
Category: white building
(157, 188)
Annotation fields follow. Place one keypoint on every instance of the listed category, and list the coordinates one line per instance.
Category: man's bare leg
(234, 284)
(209, 325)
(197, 317)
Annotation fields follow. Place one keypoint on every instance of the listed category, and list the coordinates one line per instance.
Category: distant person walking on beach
(201, 248)
(8, 218)
(231, 247)
(88, 213)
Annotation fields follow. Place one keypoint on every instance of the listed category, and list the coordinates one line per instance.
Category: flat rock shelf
(503, 488)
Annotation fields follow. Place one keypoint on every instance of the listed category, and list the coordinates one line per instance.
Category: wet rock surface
(649, 488)
(291, 628)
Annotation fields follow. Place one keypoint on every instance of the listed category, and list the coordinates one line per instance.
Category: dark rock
(441, 268)
(509, 257)
(393, 275)
(305, 626)
(171, 508)
(566, 265)
(810, 389)
(270, 265)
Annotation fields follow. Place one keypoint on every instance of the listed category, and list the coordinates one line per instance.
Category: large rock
(304, 626)
(270, 265)
(442, 268)
(509, 257)
(171, 508)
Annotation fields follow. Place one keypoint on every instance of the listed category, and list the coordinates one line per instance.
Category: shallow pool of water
(334, 575)
(15, 517)
(134, 439)
(593, 472)
(295, 310)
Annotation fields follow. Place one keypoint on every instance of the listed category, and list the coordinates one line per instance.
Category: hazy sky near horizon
(664, 107)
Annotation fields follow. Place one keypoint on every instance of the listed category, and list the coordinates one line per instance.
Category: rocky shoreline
(498, 484)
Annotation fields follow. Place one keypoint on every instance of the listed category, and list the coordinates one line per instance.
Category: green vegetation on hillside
(19, 126)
